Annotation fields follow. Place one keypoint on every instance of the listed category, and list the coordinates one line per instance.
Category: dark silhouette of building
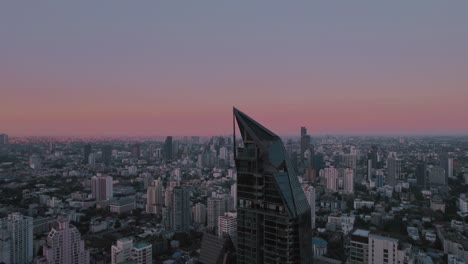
(217, 250)
(374, 157)
(106, 154)
(86, 152)
(168, 148)
(421, 174)
(273, 215)
(136, 151)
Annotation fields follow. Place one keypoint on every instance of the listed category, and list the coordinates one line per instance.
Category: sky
(126, 68)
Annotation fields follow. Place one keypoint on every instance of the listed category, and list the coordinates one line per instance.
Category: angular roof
(285, 176)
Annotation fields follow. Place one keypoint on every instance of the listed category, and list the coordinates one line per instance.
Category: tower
(86, 152)
(273, 215)
(168, 148)
(155, 198)
(16, 234)
(181, 215)
(102, 187)
(64, 245)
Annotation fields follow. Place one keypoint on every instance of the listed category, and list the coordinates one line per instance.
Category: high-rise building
(369, 170)
(309, 192)
(126, 251)
(374, 156)
(199, 214)
(383, 249)
(331, 175)
(181, 215)
(102, 187)
(273, 215)
(379, 179)
(421, 174)
(3, 139)
(106, 154)
(155, 197)
(348, 181)
(92, 159)
(393, 170)
(449, 167)
(227, 225)
(168, 148)
(215, 207)
(16, 239)
(234, 190)
(136, 151)
(86, 152)
(437, 176)
(64, 245)
(358, 247)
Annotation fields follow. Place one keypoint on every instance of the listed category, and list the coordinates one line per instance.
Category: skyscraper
(181, 215)
(106, 154)
(155, 197)
(199, 214)
(102, 187)
(309, 192)
(421, 174)
(348, 181)
(273, 215)
(16, 239)
(331, 175)
(215, 207)
(393, 170)
(86, 152)
(168, 148)
(227, 225)
(374, 156)
(136, 151)
(64, 245)
(126, 251)
(3, 139)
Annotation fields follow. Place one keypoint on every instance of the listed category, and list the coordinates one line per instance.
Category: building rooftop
(141, 245)
(361, 232)
(319, 242)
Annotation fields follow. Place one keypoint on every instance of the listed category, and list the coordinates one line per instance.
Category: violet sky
(111, 68)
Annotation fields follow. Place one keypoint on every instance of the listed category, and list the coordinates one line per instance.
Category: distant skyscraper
(136, 151)
(181, 215)
(437, 176)
(303, 131)
(64, 245)
(331, 175)
(16, 239)
(3, 139)
(379, 179)
(273, 215)
(199, 214)
(86, 152)
(393, 170)
(168, 148)
(374, 156)
(421, 174)
(309, 192)
(102, 187)
(92, 159)
(215, 207)
(348, 181)
(449, 167)
(155, 197)
(369, 170)
(106, 154)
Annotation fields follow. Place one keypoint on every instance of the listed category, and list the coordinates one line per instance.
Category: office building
(393, 171)
(106, 154)
(437, 176)
(273, 215)
(421, 174)
(102, 187)
(86, 152)
(155, 197)
(181, 215)
(16, 239)
(309, 192)
(348, 181)
(199, 214)
(64, 245)
(227, 225)
(215, 207)
(126, 251)
(3, 139)
(383, 249)
(331, 176)
(168, 155)
(357, 247)
(136, 151)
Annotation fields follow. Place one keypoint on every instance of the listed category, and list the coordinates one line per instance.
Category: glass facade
(273, 217)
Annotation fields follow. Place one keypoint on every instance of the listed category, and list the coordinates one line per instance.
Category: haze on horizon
(88, 68)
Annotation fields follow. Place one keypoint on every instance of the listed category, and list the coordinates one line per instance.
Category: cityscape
(233, 132)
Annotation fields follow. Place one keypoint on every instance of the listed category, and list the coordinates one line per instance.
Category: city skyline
(172, 69)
